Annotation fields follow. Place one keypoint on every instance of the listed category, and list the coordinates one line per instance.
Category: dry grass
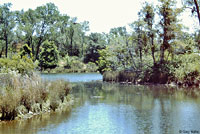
(29, 93)
(119, 76)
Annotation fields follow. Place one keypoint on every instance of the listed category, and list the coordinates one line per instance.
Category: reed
(21, 94)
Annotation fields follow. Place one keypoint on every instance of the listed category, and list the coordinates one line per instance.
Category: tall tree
(7, 23)
(96, 42)
(148, 14)
(168, 23)
(27, 26)
(47, 16)
(140, 39)
(60, 36)
(84, 28)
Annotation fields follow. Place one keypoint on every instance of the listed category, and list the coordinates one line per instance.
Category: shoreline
(23, 96)
(132, 78)
(65, 105)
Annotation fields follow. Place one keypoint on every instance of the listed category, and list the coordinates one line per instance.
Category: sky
(101, 14)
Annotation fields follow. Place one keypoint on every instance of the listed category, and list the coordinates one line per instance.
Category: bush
(72, 64)
(48, 57)
(22, 65)
(91, 67)
(26, 51)
(104, 64)
(188, 69)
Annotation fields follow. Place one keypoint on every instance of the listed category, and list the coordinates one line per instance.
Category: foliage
(7, 23)
(22, 65)
(91, 67)
(72, 64)
(188, 67)
(103, 63)
(168, 23)
(48, 57)
(26, 51)
(96, 43)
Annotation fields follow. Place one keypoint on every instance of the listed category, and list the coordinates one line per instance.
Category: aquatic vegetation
(22, 94)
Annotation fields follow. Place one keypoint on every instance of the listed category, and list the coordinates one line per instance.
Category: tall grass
(120, 76)
(21, 94)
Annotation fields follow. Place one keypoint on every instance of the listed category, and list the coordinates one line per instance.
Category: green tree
(49, 55)
(148, 13)
(76, 33)
(104, 64)
(140, 38)
(96, 43)
(121, 47)
(60, 34)
(27, 26)
(7, 23)
(168, 23)
(47, 16)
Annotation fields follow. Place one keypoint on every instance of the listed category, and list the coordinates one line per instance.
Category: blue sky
(101, 14)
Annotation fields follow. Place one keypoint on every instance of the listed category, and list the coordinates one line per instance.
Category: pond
(73, 77)
(103, 108)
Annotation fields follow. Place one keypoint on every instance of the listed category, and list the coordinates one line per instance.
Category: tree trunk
(131, 55)
(1, 52)
(162, 53)
(153, 50)
(82, 45)
(6, 39)
(140, 57)
(32, 45)
(71, 43)
(38, 48)
(198, 12)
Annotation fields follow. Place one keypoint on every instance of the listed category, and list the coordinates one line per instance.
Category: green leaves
(48, 57)
(7, 23)
(23, 65)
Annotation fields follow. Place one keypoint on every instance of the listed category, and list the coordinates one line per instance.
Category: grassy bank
(22, 95)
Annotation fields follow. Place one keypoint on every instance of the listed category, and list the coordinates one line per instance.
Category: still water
(74, 77)
(103, 108)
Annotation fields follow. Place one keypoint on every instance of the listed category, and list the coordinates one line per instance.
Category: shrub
(48, 57)
(188, 69)
(91, 67)
(104, 64)
(26, 51)
(68, 61)
(78, 66)
(22, 65)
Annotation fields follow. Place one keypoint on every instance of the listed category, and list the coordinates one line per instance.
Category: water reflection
(149, 109)
(104, 108)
